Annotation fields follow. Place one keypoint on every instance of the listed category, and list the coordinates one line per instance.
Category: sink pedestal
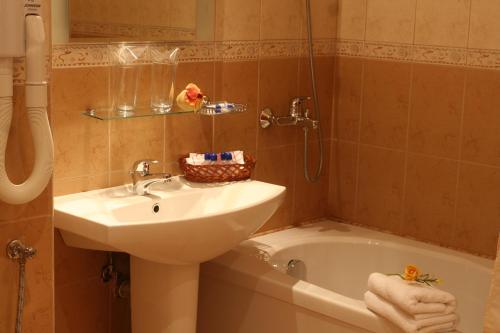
(164, 297)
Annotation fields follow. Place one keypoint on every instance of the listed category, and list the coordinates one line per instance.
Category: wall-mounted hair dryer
(22, 34)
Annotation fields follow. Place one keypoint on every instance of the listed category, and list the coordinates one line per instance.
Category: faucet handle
(300, 99)
(296, 105)
(142, 166)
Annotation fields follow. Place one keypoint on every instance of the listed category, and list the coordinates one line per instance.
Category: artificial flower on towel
(412, 273)
(191, 98)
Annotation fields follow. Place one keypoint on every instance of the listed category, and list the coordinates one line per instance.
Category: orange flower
(191, 98)
(411, 273)
(193, 93)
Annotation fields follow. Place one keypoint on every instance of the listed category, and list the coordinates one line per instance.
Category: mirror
(91, 21)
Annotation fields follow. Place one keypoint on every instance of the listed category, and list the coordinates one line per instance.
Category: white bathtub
(247, 290)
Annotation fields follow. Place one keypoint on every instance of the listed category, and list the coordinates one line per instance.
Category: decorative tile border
(90, 55)
(19, 76)
(420, 53)
(440, 55)
(80, 55)
(483, 58)
(388, 51)
(237, 51)
(280, 48)
(19, 65)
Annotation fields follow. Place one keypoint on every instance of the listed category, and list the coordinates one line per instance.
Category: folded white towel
(408, 323)
(237, 157)
(413, 298)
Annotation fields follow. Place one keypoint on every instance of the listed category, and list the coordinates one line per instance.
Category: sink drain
(156, 208)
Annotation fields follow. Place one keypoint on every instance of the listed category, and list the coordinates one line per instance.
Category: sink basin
(168, 234)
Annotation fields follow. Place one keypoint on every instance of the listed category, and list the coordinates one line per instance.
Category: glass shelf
(211, 109)
(108, 114)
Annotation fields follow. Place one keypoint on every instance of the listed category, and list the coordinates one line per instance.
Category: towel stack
(413, 307)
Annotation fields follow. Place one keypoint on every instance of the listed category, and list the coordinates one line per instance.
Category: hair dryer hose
(36, 105)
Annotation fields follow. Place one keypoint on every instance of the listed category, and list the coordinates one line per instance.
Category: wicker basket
(217, 173)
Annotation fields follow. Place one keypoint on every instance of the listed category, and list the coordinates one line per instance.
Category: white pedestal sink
(168, 234)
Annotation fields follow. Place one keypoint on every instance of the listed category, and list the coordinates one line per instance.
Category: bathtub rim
(241, 267)
(294, 236)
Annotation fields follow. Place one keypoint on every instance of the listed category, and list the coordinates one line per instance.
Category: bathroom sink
(167, 233)
(178, 223)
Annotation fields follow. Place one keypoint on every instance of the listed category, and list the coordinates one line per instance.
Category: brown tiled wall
(416, 151)
(94, 154)
(32, 224)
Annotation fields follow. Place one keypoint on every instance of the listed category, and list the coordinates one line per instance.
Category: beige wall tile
(277, 86)
(237, 20)
(82, 307)
(64, 186)
(72, 264)
(281, 19)
(352, 19)
(309, 200)
(76, 89)
(390, 21)
(38, 314)
(436, 110)
(484, 24)
(182, 13)
(480, 139)
(478, 215)
(324, 19)
(237, 131)
(347, 96)
(430, 198)
(380, 188)
(135, 139)
(342, 180)
(444, 22)
(200, 73)
(324, 73)
(81, 145)
(384, 115)
(187, 134)
(274, 166)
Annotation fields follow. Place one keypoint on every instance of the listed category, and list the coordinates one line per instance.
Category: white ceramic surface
(194, 223)
(327, 295)
(168, 233)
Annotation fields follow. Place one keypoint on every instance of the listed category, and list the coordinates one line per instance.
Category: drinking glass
(125, 75)
(163, 68)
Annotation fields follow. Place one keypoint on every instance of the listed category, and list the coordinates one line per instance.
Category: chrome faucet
(142, 179)
(298, 115)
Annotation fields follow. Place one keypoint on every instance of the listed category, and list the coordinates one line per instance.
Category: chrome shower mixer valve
(298, 115)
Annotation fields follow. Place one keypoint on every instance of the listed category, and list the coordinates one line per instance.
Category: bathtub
(252, 289)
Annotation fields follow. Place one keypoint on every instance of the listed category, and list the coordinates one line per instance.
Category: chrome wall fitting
(298, 115)
(16, 250)
(266, 118)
